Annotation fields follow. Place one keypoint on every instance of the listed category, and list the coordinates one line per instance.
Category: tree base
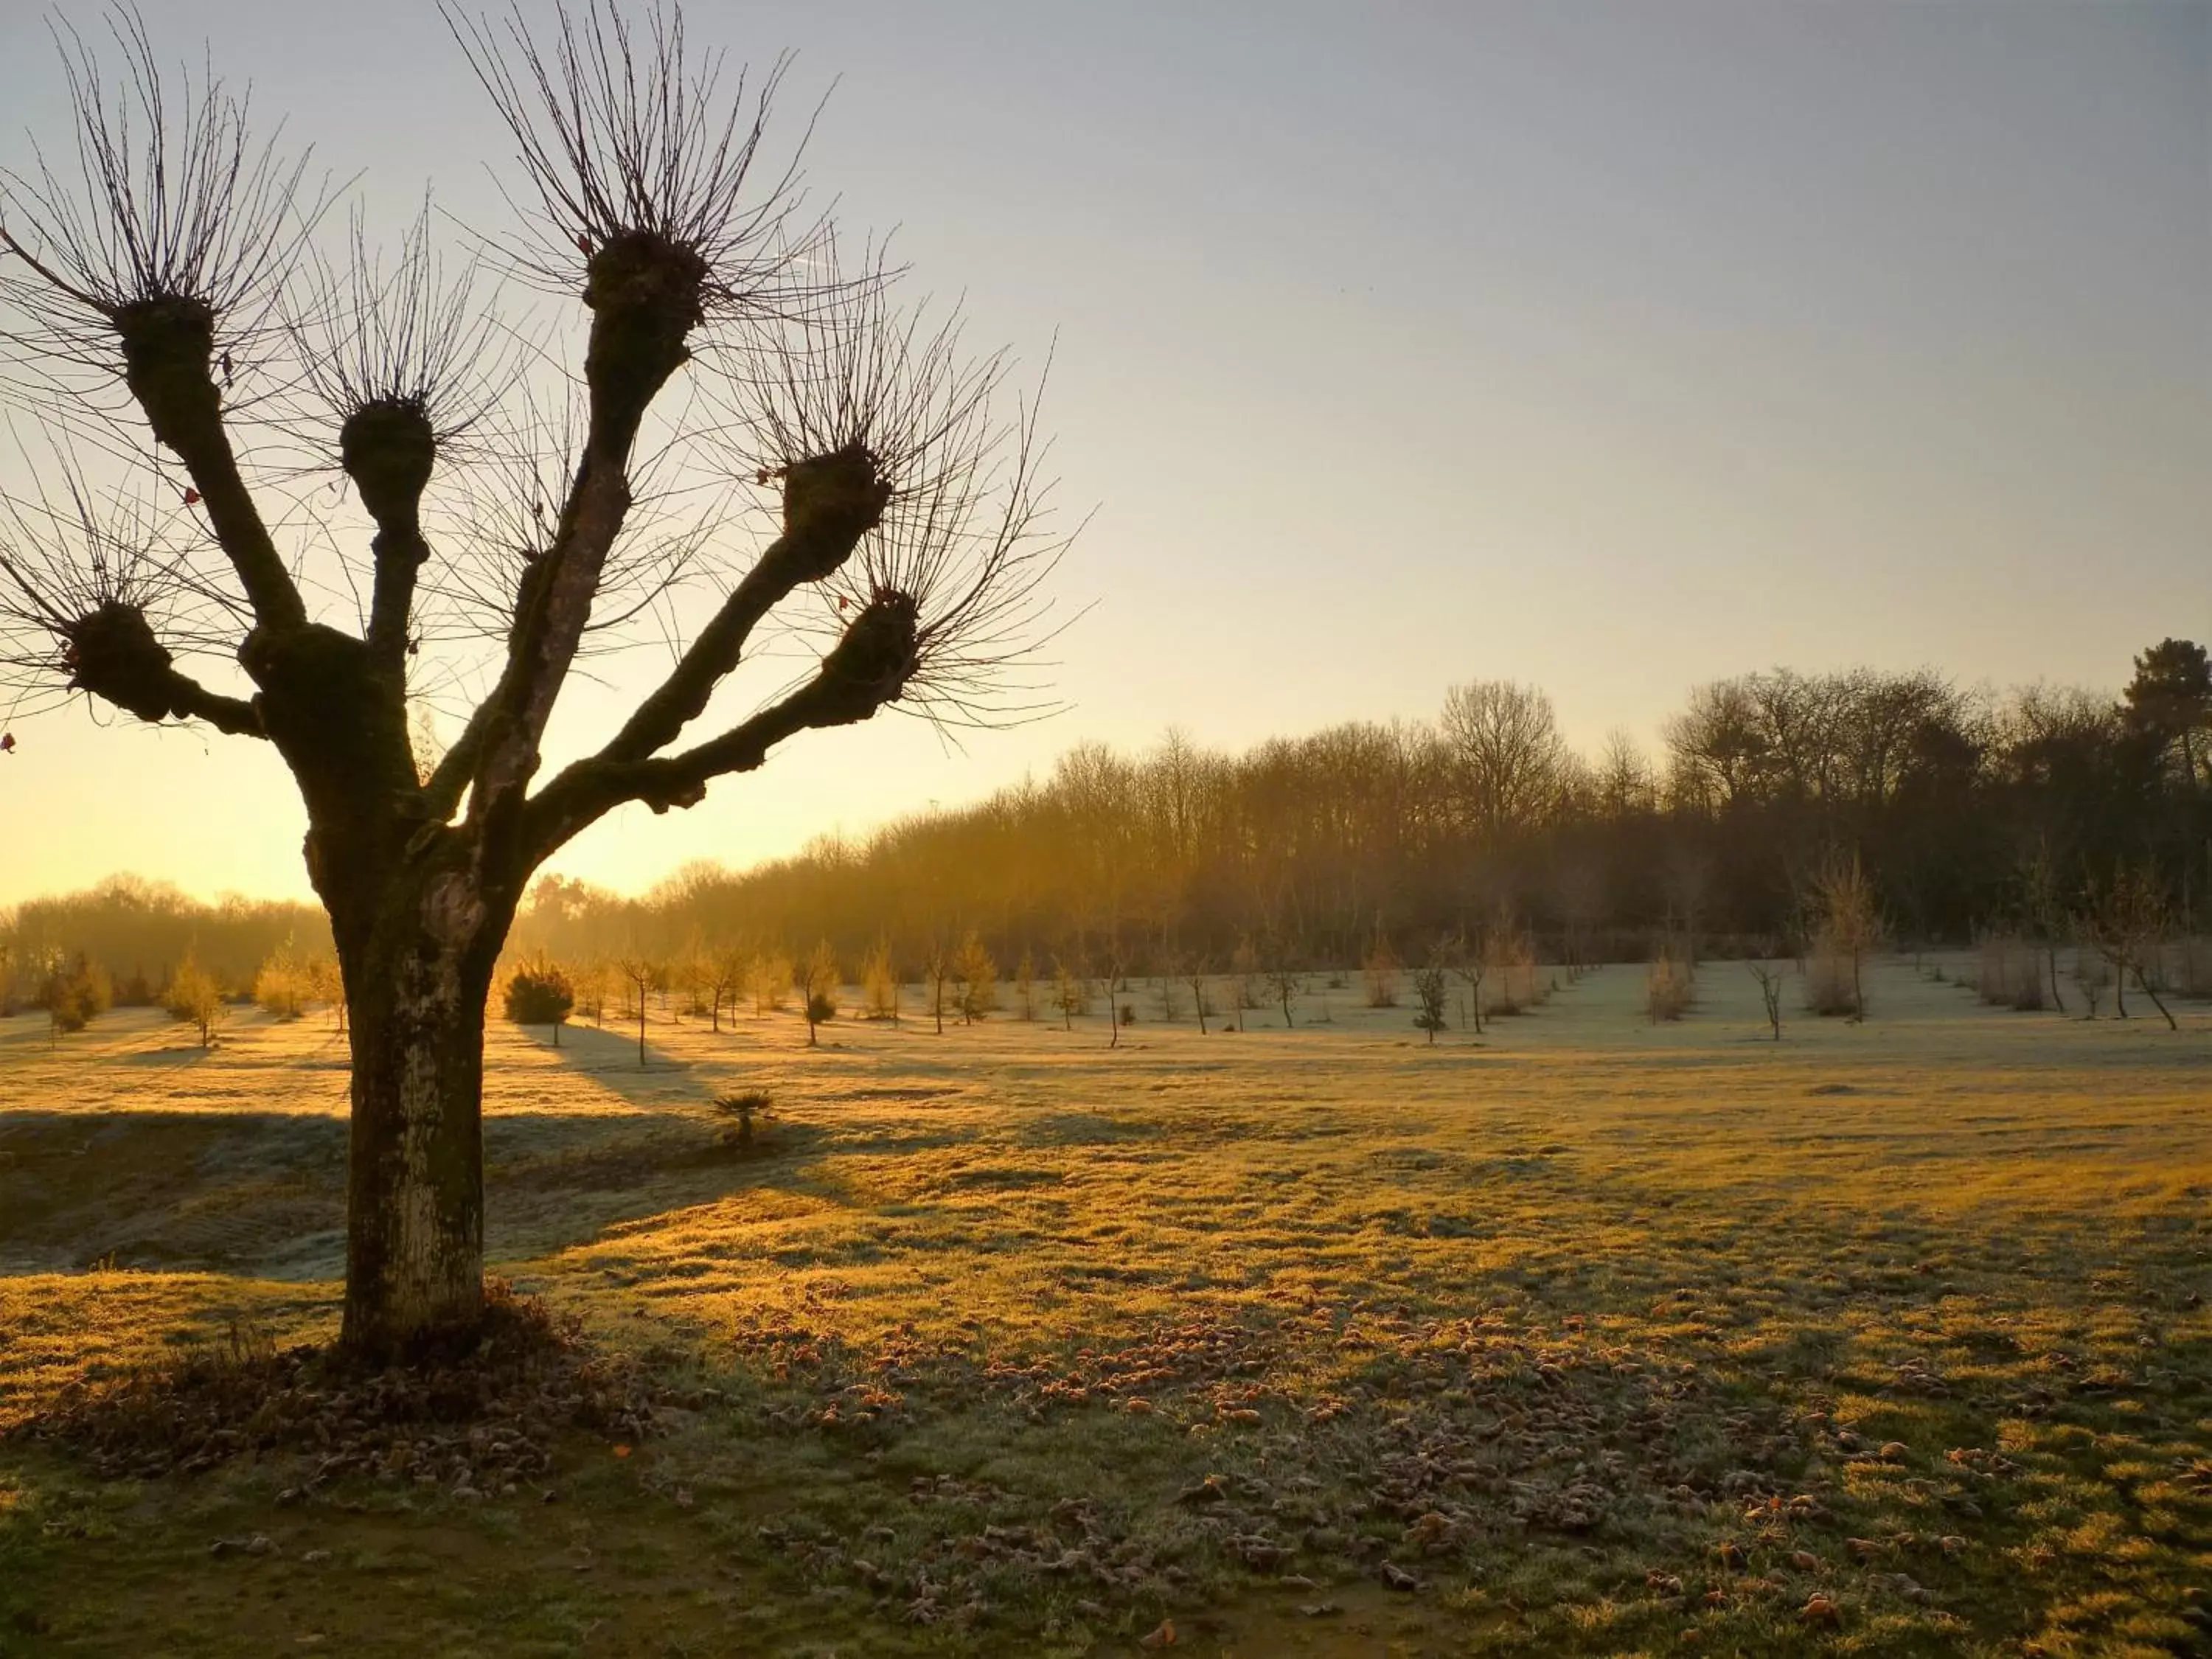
(529, 1375)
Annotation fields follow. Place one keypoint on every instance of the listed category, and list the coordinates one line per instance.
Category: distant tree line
(2040, 816)
(134, 935)
(1968, 812)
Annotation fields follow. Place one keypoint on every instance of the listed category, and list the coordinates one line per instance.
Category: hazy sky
(1611, 347)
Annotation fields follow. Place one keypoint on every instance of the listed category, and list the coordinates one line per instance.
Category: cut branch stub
(644, 294)
(387, 448)
(168, 344)
(870, 665)
(113, 654)
(830, 502)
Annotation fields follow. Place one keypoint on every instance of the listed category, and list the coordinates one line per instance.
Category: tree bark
(416, 991)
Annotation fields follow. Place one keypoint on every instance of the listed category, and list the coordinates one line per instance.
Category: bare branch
(964, 533)
(637, 156)
(408, 364)
(81, 586)
(865, 671)
(177, 226)
(623, 136)
(173, 201)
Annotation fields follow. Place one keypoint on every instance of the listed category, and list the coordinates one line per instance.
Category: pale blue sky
(1611, 347)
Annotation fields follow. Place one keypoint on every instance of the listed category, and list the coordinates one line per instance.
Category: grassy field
(1585, 1337)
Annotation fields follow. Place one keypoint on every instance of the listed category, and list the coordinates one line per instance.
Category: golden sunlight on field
(1590, 1335)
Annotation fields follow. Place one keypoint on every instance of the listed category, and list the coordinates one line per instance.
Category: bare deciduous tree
(816, 982)
(194, 997)
(1470, 961)
(185, 264)
(1286, 984)
(1505, 752)
(725, 973)
(2042, 901)
(2125, 922)
(1195, 970)
(1770, 975)
(1068, 994)
(638, 976)
(941, 971)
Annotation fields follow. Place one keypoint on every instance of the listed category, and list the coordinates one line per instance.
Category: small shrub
(195, 998)
(1849, 924)
(1509, 976)
(590, 987)
(2008, 973)
(279, 986)
(1667, 989)
(879, 986)
(1071, 994)
(2188, 966)
(742, 1110)
(817, 984)
(1171, 1000)
(2094, 974)
(1380, 974)
(1832, 983)
(539, 994)
(1432, 989)
(1244, 978)
(979, 979)
(771, 978)
(76, 994)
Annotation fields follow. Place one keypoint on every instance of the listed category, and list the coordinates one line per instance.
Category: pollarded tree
(184, 263)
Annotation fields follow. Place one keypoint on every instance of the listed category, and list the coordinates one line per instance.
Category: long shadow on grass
(262, 1194)
(609, 1056)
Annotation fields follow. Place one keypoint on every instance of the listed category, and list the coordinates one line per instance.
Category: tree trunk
(417, 942)
(415, 1187)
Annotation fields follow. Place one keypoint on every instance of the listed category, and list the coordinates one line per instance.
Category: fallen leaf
(1820, 1610)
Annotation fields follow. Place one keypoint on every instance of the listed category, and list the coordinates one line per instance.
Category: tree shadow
(185, 1053)
(609, 1056)
(261, 1194)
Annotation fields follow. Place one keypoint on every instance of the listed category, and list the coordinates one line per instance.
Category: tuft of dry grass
(1669, 987)
(2009, 972)
(1833, 983)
